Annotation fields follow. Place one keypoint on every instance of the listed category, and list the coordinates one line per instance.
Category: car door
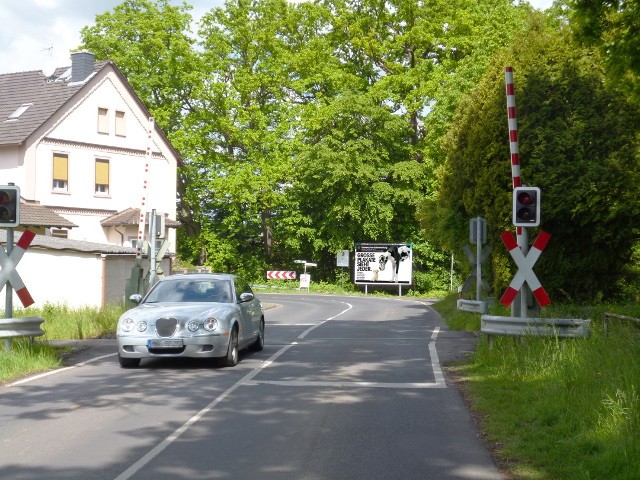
(250, 312)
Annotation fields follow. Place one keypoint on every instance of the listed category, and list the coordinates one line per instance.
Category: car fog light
(142, 326)
(193, 326)
(210, 324)
(127, 324)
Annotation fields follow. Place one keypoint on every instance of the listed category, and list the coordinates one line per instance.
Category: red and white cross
(8, 264)
(525, 269)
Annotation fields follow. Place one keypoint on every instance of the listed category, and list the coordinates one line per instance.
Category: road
(346, 388)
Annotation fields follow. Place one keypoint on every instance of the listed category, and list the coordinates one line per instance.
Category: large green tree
(575, 144)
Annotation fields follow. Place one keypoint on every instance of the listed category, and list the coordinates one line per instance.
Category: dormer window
(20, 110)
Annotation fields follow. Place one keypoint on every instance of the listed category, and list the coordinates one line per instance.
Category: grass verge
(557, 409)
(61, 323)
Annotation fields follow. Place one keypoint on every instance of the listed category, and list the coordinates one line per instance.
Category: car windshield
(186, 290)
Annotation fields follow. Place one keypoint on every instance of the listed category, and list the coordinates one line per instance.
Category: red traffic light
(526, 206)
(525, 198)
(9, 206)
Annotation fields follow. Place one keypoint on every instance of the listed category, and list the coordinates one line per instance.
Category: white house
(82, 147)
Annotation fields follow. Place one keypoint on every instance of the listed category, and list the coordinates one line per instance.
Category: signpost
(9, 259)
(478, 236)
(305, 280)
(526, 213)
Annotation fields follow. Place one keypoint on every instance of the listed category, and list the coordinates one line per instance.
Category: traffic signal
(9, 206)
(526, 206)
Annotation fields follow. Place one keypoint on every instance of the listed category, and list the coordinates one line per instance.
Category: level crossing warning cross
(8, 271)
(525, 269)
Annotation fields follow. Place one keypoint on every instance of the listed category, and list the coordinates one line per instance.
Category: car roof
(200, 276)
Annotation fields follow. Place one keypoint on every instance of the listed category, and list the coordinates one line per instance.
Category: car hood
(181, 311)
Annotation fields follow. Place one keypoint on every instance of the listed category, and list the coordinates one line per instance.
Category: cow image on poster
(396, 254)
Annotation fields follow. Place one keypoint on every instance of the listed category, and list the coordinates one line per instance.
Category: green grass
(61, 323)
(559, 408)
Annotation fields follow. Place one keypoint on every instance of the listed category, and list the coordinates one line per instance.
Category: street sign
(8, 265)
(280, 275)
(525, 269)
(305, 281)
(342, 258)
(474, 230)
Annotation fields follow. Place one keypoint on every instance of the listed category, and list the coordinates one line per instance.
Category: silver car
(205, 315)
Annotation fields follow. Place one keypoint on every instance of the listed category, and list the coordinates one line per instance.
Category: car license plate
(164, 343)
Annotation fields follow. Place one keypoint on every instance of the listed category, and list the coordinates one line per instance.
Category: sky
(40, 34)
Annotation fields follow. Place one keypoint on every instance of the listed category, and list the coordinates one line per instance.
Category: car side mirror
(136, 298)
(246, 297)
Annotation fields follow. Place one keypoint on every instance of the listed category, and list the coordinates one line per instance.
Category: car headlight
(142, 326)
(193, 325)
(127, 324)
(210, 324)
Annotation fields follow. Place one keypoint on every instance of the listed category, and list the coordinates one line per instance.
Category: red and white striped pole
(145, 184)
(521, 232)
(513, 127)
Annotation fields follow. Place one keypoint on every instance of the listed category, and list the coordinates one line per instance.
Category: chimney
(82, 64)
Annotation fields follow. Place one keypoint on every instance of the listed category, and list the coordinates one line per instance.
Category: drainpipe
(103, 300)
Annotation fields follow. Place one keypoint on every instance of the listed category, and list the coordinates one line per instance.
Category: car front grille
(166, 327)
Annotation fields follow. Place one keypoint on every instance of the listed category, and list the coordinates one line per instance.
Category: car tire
(231, 359)
(258, 345)
(128, 362)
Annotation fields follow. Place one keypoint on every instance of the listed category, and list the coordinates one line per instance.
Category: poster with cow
(384, 263)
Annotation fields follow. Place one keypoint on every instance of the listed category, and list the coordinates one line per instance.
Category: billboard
(383, 263)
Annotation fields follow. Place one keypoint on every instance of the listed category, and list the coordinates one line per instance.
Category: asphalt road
(346, 388)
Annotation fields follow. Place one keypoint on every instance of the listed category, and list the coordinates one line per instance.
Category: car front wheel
(128, 362)
(231, 360)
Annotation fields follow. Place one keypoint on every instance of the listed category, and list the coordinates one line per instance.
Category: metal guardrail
(607, 316)
(552, 327)
(21, 327)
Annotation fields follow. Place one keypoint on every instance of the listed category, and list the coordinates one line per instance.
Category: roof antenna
(50, 66)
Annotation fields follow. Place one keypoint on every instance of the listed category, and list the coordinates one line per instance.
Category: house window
(59, 233)
(102, 177)
(60, 172)
(21, 109)
(120, 125)
(103, 120)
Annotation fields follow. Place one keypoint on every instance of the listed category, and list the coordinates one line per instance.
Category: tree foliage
(614, 27)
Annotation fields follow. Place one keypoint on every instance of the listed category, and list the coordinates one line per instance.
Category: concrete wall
(75, 279)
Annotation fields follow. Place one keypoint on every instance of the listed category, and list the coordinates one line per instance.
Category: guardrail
(607, 316)
(552, 327)
(20, 327)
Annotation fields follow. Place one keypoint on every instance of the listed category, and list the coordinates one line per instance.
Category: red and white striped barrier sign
(8, 271)
(525, 269)
(280, 275)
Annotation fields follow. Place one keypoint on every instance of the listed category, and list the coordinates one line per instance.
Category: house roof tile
(45, 95)
(40, 216)
(130, 216)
